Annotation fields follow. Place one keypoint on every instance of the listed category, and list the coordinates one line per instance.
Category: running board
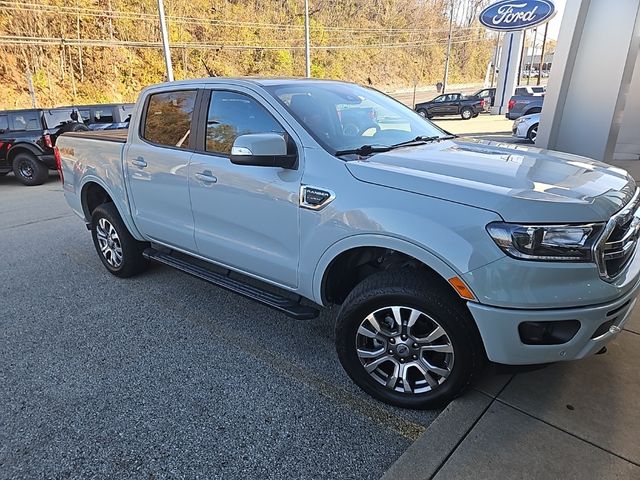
(286, 305)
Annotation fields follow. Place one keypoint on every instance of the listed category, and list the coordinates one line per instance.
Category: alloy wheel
(404, 349)
(109, 243)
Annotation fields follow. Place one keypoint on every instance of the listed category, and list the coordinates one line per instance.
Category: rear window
(103, 115)
(127, 110)
(168, 118)
(25, 121)
(85, 115)
(57, 118)
(4, 123)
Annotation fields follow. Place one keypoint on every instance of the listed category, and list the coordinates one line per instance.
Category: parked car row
(27, 136)
(481, 101)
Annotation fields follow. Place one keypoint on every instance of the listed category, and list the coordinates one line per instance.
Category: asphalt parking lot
(163, 375)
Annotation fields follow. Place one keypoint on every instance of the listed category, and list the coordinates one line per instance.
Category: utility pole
(165, 41)
(446, 63)
(307, 46)
(522, 56)
(495, 60)
(533, 52)
(544, 41)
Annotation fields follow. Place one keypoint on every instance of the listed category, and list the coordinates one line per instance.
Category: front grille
(620, 239)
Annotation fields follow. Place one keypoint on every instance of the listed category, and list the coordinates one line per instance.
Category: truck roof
(262, 81)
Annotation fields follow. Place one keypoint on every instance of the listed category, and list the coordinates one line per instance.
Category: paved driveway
(164, 376)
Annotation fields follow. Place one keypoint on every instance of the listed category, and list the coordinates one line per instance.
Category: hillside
(87, 51)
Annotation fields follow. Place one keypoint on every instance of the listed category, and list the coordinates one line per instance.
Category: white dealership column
(508, 73)
(628, 143)
(590, 82)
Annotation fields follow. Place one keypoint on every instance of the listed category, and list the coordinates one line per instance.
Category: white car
(527, 127)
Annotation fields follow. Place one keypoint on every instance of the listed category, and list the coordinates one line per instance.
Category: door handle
(139, 162)
(206, 177)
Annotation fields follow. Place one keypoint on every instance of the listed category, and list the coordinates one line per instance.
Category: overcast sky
(554, 24)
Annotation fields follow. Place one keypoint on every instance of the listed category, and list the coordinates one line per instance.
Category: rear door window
(25, 121)
(168, 118)
(4, 123)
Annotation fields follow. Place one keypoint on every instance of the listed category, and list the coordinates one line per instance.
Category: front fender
(382, 241)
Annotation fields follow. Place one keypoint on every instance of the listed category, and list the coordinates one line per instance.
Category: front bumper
(499, 330)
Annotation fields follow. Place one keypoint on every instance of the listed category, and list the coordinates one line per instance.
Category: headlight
(572, 243)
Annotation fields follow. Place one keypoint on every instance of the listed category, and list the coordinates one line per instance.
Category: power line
(58, 41)
(128, 15)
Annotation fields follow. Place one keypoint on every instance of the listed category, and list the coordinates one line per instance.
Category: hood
(519, 183)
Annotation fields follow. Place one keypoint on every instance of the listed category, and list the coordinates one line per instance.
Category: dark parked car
(488, 95)
(27, 138)
(451, 104)
(520, 105)
(106, 116)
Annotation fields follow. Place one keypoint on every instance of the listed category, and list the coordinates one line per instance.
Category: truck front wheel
(119, 252)
(407, 341)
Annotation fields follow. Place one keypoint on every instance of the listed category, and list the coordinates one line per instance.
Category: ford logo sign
(509, 15)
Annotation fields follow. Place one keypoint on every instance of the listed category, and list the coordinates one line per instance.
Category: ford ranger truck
(441, 253)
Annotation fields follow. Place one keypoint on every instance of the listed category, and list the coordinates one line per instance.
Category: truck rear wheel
(29, 170)
(466, 113)
(119, 252)
(407, 341)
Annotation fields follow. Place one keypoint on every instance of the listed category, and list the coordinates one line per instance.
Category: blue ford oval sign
(510, 15)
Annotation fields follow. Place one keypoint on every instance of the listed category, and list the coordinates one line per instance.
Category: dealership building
(592, 104)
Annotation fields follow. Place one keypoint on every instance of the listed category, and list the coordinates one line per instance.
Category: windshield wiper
(421, 139)
(369, 149)
(364, 150)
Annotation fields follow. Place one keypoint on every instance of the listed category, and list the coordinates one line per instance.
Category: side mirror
(262, 150)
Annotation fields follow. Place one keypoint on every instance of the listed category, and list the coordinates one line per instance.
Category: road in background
(163, 375)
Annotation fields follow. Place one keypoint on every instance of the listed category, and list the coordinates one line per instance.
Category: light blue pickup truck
(441, 253)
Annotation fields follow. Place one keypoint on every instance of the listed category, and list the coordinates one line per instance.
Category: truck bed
(116, 135)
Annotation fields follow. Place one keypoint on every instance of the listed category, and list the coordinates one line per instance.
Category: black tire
(410, 289)
(475, 115)
(29, 170)
(423, 113)
(533, 110)
(131, 260)
(532, 134)
(466, 113)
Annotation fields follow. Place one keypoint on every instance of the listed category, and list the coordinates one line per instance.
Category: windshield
(344, 117)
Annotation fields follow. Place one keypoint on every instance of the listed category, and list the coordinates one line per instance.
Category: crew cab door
(452, 104)
(157, 167)
(246, 217)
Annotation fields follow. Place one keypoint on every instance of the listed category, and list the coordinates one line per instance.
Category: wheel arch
(94, 192)
(18, 148)
(355, 255)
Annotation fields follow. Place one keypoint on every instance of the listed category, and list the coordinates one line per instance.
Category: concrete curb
(431, 450)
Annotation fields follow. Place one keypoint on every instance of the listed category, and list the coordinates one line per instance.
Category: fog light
(548, 333)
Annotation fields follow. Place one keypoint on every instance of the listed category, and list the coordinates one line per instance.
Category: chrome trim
(603, 251)
(303, 204)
